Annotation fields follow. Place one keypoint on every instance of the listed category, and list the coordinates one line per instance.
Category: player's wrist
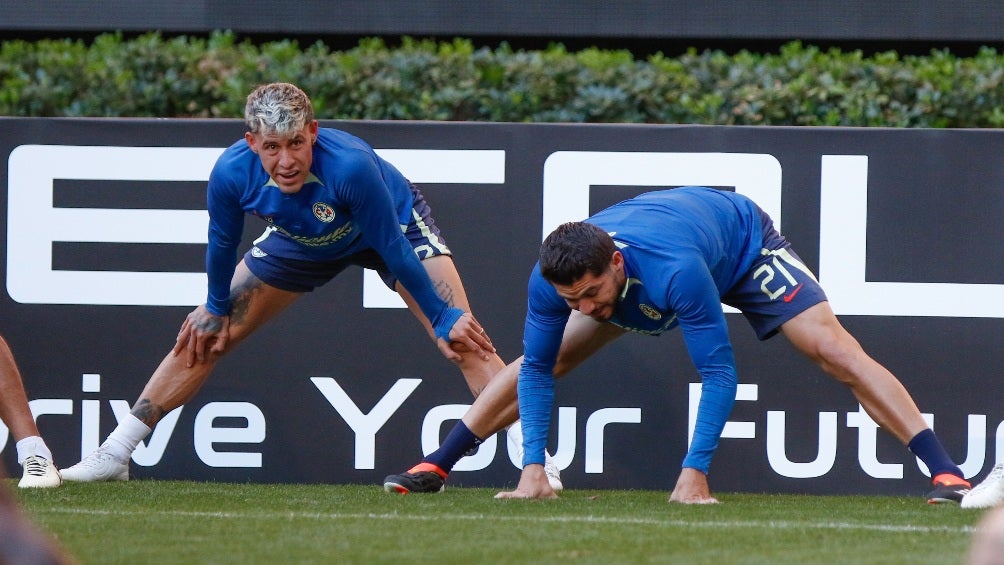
(445, 321)
(218, 310)
(694, 465)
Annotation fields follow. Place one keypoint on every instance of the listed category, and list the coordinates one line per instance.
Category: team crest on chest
(324, 212)
(650, 312)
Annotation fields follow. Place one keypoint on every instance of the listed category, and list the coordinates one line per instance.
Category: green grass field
(194, 522)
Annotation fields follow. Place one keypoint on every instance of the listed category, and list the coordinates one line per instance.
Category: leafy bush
(427, 80)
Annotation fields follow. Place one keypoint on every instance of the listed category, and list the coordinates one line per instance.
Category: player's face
(596, 295)
(286, 158)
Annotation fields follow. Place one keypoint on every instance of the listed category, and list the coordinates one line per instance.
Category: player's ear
(251, 141)
(617, 265)
(617, 260)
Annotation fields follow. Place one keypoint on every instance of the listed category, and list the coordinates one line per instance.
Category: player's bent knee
(840, 364)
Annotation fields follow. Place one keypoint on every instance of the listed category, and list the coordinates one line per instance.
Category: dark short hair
(574, 249)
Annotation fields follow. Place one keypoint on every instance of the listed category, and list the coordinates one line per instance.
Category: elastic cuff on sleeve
(445, 322)
(693, 463)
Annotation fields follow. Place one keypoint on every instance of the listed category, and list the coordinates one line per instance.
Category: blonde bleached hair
(277, 108)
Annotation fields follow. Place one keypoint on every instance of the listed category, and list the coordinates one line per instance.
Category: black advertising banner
(667, 23)
(104, 256)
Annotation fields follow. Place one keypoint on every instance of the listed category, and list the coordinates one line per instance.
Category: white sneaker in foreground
(553, 473)
(100, 465)
(988, 493)
(39, 472)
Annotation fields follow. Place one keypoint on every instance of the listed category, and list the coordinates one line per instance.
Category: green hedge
(152, 75)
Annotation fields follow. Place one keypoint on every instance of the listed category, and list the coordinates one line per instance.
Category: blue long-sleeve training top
(683, 249)
(371, 201)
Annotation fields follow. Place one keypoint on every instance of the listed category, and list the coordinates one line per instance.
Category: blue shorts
(269, 261)
(777, 287)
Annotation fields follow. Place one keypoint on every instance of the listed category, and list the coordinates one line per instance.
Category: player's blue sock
(926, 446)
(458, 442)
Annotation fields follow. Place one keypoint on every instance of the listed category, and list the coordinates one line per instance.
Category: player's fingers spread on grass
(525, 495)
(695, 500)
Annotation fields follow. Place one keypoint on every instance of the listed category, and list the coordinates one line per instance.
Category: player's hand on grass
(532, 484)
(467, 335)
(202, 329)
(692, 488)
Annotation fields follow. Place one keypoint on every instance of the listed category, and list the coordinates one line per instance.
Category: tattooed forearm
(445, 291)
(147, 412)
(240, 298)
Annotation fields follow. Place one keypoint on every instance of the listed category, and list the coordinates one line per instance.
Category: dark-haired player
(663, 260)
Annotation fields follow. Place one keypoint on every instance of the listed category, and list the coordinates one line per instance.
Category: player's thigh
(583, 336)
(254, 302)
(818, 334)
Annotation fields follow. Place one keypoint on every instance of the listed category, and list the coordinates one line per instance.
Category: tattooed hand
(202, 329)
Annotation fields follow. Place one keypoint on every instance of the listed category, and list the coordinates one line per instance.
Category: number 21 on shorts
(777, 277)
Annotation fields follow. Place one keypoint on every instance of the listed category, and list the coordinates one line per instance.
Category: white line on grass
(759, 524)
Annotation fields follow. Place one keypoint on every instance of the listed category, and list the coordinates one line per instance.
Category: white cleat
(553, 473)
(100, 465)
(988, 493)
(39, 472)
